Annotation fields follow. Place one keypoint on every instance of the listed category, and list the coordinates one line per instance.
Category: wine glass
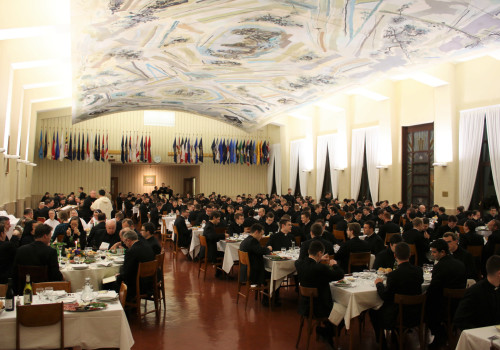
(41, 294)
(49, 293)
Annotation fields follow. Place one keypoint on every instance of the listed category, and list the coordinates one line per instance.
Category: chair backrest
(413, 252)
(165, 212)
(145, 270)
(359, 259)
(475, 250)
(245, 260)
(339, 235)
(37, 274)
(310, 293)
(219, 230)
(402, 299)
(203, 242)
(175, 230)
(164, 226)
(3, 290)
(388, 237)
(42, 220)
(39, 316)
(263, 241)
(454, 293)
(295, 224)
(160, 258)
(461, 229)
(123, 294)
(297, 241)
(64, 285)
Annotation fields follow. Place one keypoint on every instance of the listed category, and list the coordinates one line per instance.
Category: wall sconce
(32, 164)
(339, 169)
(11, 156)
(382, 166)
(443, 164)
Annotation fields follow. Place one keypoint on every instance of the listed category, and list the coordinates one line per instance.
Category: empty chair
(64, 285)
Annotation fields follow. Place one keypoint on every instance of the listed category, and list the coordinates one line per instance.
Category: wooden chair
(64, 285)
(146, 270)
(176, 241)
(245, 261)
(263, 241)
(122, 294)
(406, 300)
(166, 238)
(461, 229)
(39, 316)
(3, 290)
(453, 296)
(312, 320)
(388, 237)
(42, 220)
(37, 274)
(203, 266)
(339, 235)
(341, 212)
(414, 253)
(298, 241)
(161, 279)
(359, 259)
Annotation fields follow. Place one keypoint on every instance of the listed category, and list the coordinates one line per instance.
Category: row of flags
(73, 146)
(242, 152)
(135, 151)
(185, 151)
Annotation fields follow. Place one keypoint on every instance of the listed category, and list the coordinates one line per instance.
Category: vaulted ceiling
(245, 62)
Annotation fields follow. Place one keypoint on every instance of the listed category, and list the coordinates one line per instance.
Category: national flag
(66, 146)
(254, 153)
(45, 148)
(62, 148)
(57, 153)
(74, 147)
(149, 150)
(94, 155)
(40, 151)
(221, 152)
(213, 150)
(83, 146)
(200, 152)
(102, 149)
(188, 152)
(217, 151)
(122, 151)
(53, 145)
(107, 147)
(174, 147)
(182, 151)
(125, 150)
(78, 148)
(130, 155)
(69, 155)
(179, 149)
(142, 149)
(196, 151)
(137, 150)
(98, 150)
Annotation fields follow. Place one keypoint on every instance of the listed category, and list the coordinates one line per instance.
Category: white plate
(67, 300)
(79, 266)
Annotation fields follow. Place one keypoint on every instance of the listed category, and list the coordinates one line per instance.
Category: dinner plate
(79, 266)
(76, 307)
(68, 300)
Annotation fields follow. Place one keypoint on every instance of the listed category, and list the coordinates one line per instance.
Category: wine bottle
(28, 291)
(9, 297)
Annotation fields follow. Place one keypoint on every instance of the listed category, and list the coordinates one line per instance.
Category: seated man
(461, 254)
(386, 258)
(419, 238)
(312, 274)
(388, 226)
(284, 238)
(74, 234)
(99, 223)
(353, 245)
(136, 253)
(212, 238)
(147, 231)
(447, 273)
(38, 253)
(256, 254)
(316, 234)
(493, 240)
(185, 233)
(450, 227)
(236, 226)
(269, 225)
(8, 250)
(249, 220)
(108, 235)
(376, 243)
(407, 279)
(470, 237)
(480, 306)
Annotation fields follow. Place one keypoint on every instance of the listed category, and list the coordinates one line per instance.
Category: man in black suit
(447, 273)
(155, 214)
(269, 225)
(249, 220)
(284, 238)
(144, 210)
(385, 258)
(204, 216)
(109, 235)
(305, 217)
(407, 279)
(419, 238)
(38, 253)
(450, 227)
(493, 240)
(289, 196)
(316, 235)
(137, 252)
(388, 226)
(236, 226)
(421, 213)
(376, 243)
(480, 306)
(8, 250)
(470, 237)
(353, 245)
(492, 215)
(333, 218)
(147, 232)
(342, 225)
(212, 238)
(461, 254)
(368, 215)
(312, 274)
(101, 225)
(185, 234)
(85, 211)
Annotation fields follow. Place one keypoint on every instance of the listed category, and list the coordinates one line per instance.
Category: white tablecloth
(194, 248)
(230, 254)
(169, 220)
(279, 271)
(90, 330)
(477, 338)
(96, 274)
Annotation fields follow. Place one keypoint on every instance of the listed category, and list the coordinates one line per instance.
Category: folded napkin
(59, 293)
(106, 295)
(104, 263)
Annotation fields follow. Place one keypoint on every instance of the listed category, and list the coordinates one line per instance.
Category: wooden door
(114, 188)
(189, 186)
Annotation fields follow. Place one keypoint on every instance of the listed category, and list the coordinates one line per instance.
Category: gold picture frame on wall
(149, 180)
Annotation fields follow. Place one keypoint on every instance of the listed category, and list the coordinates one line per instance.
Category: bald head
(93, 194)
(110, 227)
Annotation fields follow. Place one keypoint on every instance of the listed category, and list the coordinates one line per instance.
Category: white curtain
(470, 134)
(294, 162)
(493, 128)
(305, 152)
(274, 164)
(321, 148)
(372, 160)
(357, 151)
(333, 155)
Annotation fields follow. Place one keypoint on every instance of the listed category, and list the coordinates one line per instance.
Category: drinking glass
(283, 250)
(77, 259)
(41, 294)
(49, 293)
(235, 235)
(293, 245)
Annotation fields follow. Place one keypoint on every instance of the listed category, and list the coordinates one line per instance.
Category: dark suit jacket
(212, 239)
(443, 229)
(384, 259)
(280, 240)
(268, 229)
(354, 245)
(342, 226)
(155, 217)
(471, 238)
(154, 244)
(234, 228)
(38, 254)
(304, 247)
(184, 232)
(144, 209)
(480, 307)
(255, 255)
(376, 243)
(202, 216)
(489, 249)
(85, 211)
(7, 254)
(70, 240)
(334, 220)
(467, 259)
(407, 279)
(139, 252)
(314, 275)
(43, 213)
(388, 227)
(306, 231)
(103, 236)
(416, 237)
(100, 226)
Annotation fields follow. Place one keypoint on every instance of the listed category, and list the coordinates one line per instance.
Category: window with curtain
(327, 179)
(297, 183)
(273, 188)
(484, 195)
(364, 191)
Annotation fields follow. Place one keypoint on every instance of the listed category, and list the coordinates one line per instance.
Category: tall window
(418, 172)
(484, 195)
(297, 182)
(364, 191)
(327, 180)
(273, 188)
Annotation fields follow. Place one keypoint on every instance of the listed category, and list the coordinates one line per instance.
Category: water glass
(283, 250)
(235, 235)
(77, 259)
(41, 294)
(49, 294)
(293, 245)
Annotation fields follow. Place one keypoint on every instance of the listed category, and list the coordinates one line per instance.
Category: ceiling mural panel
(245, 61)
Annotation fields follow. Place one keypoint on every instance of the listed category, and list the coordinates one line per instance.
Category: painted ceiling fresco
(245, 61)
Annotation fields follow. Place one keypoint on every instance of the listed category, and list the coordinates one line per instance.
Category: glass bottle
(9, 297)
(87, 292)
(28, 291)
